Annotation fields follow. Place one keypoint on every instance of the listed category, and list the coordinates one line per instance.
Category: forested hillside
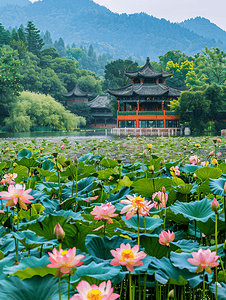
(205, 28)
(85, 22)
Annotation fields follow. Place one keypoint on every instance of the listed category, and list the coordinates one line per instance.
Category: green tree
(47, 40)
(90, 85)
(83, 110)
(34, 40)
(5, 36)
(60, 47)
(180, 72)
(10, 80)
(210, 66)
(115, 73)
(176, 56)
(40, 110)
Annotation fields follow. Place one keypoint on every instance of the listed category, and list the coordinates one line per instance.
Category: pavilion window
(172, 123)
(160, 123)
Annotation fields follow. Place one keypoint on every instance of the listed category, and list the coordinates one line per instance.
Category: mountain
(205, 28)
(14, 2)
(85, 22)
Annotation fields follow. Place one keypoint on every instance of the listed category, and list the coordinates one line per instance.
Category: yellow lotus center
(127, 254)
(94, 294)
(64, 252)
(138, 202)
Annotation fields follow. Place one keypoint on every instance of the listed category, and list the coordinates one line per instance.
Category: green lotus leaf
(184, 189)
(208, 172)
(120, 195)
(24, 153)
(194, 210)
(105, 174)
(30, 240)
(45, 173)
(208, 227)
(222, 276)
(125, 181)
(217, 186)
(186, 168)
(222, 166)
(86, 157)
(48, 165)
(152, 246)
(28, 162)
(146, 186)
(186, 245)
(21, 172)
(95, 273)
(204, 187)
(100, 247)
(32, 213)
(221, 290)
(177, 181)
(5, 263)
(151, 223)
(164, 272)
(2, 165)
(35, 288)
(176, 217)
(108, 163)
(44, 226)
(30, 267)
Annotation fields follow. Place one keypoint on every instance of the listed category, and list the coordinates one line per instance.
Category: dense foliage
(38, 110)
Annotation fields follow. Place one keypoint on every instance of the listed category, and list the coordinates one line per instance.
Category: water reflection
(48, 134)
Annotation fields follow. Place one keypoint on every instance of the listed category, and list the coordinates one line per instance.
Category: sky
(172, 10)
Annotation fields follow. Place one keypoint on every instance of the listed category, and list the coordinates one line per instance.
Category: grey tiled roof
(100, 102)
(156, 89)
(77, 92)
(147, 71)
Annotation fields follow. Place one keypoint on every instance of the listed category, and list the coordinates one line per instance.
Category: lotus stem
(130, 287)
(145, 286)
(69, 286)
(204, 288)
(225, 226)
(139, 287)
(145, 225)
(58, 175)
(59, 289)
(195, 230)
(76, 179)
(121, 287)
(138, 231)
(165, 218)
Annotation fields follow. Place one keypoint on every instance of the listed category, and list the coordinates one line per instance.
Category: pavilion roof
(101, 101)
(147, 71)
(77, 92)
(156, 89)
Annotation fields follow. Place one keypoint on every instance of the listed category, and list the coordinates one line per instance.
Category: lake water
(58, 135)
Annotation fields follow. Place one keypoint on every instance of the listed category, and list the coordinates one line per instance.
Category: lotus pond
(134, 219)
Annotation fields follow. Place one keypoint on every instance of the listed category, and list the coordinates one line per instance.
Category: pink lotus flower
(64, 261)
(59, 232)
(165, 238)
(159, 199)
(17, 195)
(128, 257)
(204, 259)
(194, 160)
(105, 212)
(215, 205)
(93, 292)
(62, 147)
(8, 178)
(135, 205)
(218, 140)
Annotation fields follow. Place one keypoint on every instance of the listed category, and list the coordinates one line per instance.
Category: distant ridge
(85, 22)
(205, 28)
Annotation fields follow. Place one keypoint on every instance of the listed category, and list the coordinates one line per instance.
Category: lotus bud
(215, 205)
(75, 159)
(211, 153)
(171, 294)
(59, 232)
(151, 168)
(62, 147)
(225, 188)
(163, 189)
(218, 140)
